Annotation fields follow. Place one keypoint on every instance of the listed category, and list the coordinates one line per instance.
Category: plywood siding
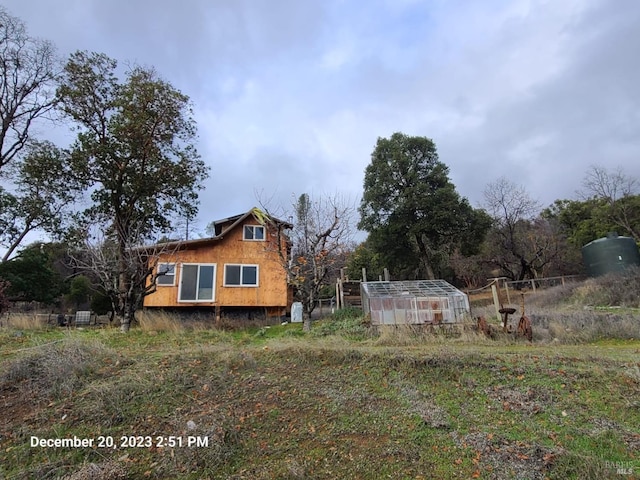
(272, 290)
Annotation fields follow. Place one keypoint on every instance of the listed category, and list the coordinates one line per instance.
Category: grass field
(339, 402)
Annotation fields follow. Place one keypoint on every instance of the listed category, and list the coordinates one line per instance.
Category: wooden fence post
(496, 300)
(506, 289)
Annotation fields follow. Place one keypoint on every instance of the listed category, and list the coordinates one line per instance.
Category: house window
(166, 274)
(253, 232)
(241, 275)
(197, 282)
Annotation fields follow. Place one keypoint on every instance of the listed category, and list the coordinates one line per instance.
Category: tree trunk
(124, 285)
(16, 243)
(306, 321)
(123, 305)
(125, 323)
(425, 257)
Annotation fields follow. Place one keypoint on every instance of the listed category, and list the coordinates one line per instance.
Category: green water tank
(610, 254)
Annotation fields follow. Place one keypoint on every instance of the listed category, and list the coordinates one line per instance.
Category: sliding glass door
(197, 282)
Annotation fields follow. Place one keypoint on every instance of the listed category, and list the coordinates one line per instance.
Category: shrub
(57, 369)
(4, 301)
(347, 313)
(348, 322)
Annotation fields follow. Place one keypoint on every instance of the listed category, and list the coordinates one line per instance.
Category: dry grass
(24, 321)
(579, 312)
(413, 335)
(619, 289)
(399, 335)
(160, 321)
(633, 372)
(570, 325)
(107, 470)
(109, 401)
(57, 369)
(587, 326)
(223, 442)
(615, 289)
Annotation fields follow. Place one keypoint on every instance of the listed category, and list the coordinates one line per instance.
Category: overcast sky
(290, 96)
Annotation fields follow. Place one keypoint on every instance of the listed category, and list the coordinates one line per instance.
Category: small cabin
(238, 269)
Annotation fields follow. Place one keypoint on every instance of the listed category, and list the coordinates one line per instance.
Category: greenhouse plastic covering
(413, 302)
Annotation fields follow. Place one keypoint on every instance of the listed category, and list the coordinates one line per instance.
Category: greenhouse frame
(413, 302)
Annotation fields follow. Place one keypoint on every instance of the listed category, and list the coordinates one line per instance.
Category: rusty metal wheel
(524, 328)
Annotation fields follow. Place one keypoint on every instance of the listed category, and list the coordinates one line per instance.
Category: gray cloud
(291, 96)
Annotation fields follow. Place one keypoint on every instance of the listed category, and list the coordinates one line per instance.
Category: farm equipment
(523, 328)
(505, 312)
(524, 324)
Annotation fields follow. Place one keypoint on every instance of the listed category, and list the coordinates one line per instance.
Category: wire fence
(500, 290)
(529, 284)
(547, 282)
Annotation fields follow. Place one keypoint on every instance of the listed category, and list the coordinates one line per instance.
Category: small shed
(413, 302)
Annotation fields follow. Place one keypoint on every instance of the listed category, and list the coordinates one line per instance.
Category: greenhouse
(413, 302)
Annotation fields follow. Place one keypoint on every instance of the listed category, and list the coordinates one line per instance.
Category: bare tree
(508, 203)
(471, 270)
(320, 235)
(33, 197)
(609, 184)
(620, 192)
(28, 70)
(520, 244)
(99, 257)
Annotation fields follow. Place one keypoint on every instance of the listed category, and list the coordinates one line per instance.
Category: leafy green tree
(412, 211)
(101, 304)
(136, 151)
(46, 188)
(79, 290)
(32, 276)
(5, 304)
(582, 221)
(363, 256)
(31, 196)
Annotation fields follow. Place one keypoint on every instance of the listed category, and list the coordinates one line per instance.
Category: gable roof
(224, 226)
